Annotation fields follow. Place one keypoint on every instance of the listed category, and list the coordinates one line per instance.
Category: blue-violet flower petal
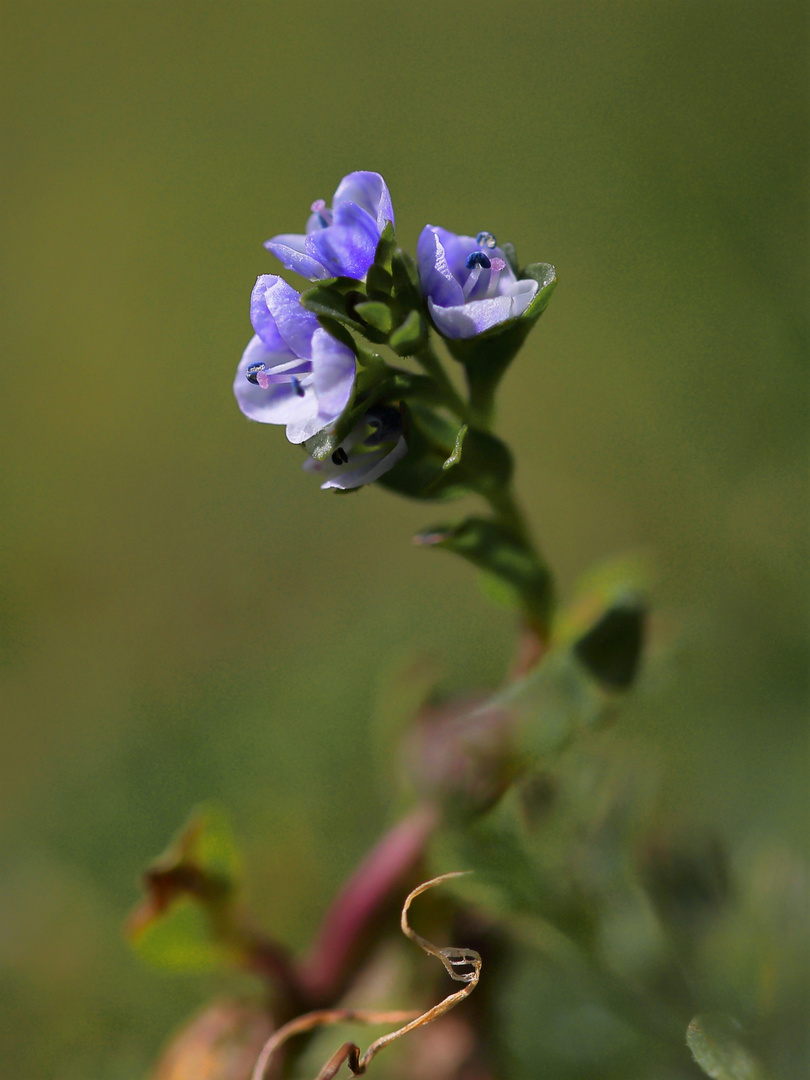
(292, 371)
(468, 283)
(339, 241)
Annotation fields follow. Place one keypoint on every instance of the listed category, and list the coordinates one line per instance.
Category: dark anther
(297, 387)
(252, 374)
(340, 457)
(477, 258)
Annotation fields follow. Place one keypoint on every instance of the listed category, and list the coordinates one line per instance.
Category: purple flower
(341, 241)
(372, 447)
(292, 371)
(468, 283)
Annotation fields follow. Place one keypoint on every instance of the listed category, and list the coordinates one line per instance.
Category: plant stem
(434, 367)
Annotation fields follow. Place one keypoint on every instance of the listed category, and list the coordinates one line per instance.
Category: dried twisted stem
(453, 959)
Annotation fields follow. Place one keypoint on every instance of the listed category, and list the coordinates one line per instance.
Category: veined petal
(435, 274)
(466, 320)
(292, 253)
(522, 293)
(369, 191)
(333, 366)
(295, 324)
(262, 320)
(367, 468)
(347, 247)
(279, 403)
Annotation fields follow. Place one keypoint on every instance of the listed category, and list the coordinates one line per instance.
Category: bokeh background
(186, 616)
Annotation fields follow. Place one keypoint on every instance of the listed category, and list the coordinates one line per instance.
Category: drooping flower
(468, 283)
(292, 371)
(340, 241)
(372, 447)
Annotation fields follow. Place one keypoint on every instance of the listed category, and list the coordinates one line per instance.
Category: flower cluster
(312, 366)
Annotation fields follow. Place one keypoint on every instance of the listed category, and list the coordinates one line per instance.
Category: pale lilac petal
(307, 424)
(466, 320)
(333, 373)
(369, 191)
(522, 293)
(347, 247)
(291, 252)
(435, 274)
(370, 467)
(262, 320)
(493, 295)
(279, 404)
(295, 324)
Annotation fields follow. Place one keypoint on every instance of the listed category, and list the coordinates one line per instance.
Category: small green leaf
(376, 314)
(455, 457)
(181, 940)
(611, 649)
(185, 919)
(378, 281)
(555, 702)
(495, 549)
(715, 1045)
(410, 336)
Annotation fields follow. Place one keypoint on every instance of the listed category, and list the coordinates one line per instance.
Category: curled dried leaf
(462, 965)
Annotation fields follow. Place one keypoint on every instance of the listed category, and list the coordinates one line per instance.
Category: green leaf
(410, 336)
(496, 549)
(611, 649)
(185, 919)
(181, 940)
(604, 624)
(483, 460)
(376, 314)
(715, 1045)
(554, 703)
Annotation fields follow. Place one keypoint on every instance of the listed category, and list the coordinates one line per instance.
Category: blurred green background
(184, 615)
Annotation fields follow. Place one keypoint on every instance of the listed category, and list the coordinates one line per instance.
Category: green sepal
(496, 549)
(546, 277)
(716, 1047)
(410, 336)
(378, 281)
(376, 314)
(386, 246)
(406, 280)
(327, 302)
